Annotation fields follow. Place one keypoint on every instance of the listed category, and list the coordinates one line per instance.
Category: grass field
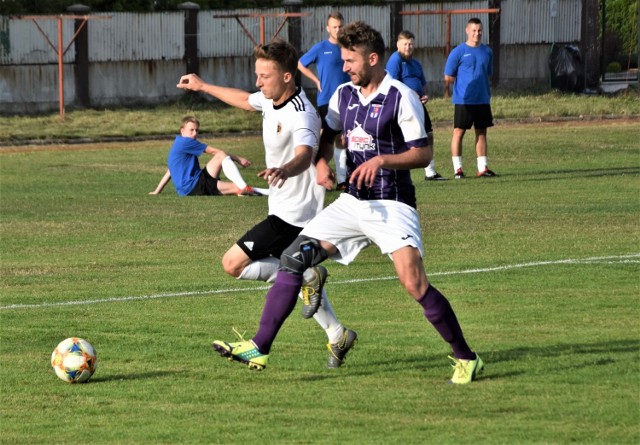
(541, 265)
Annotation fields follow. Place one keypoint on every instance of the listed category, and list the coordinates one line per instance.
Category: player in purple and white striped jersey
(382, 120)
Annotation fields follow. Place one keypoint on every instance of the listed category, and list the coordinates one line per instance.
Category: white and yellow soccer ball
(74, 360)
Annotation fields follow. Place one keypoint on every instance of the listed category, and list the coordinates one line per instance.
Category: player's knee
(230, 266)
(415, 287)
(303, 253)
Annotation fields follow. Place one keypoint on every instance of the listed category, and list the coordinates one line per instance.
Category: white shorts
(352, 225)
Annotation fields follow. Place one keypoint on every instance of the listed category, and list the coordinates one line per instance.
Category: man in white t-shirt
(291, 133)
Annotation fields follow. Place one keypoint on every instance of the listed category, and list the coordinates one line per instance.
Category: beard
(362, 80)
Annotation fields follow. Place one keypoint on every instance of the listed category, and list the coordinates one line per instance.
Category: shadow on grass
(136, 376)
(605, 353)
(546, 175)
(603, 349)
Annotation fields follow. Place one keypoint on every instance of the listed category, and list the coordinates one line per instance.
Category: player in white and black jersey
(382, 122)
(291, 132)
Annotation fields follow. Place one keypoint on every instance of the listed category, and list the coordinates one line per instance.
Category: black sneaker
(338, 351)
(486, 174)
(436, 177)
(311, 291)
(459, 174)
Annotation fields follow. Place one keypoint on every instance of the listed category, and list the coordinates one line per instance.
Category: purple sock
(440, 314)
(280, 301)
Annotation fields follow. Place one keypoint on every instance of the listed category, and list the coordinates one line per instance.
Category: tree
(621, 30)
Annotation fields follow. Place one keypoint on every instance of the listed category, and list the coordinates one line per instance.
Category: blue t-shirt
(329, 65)
(471, 66)
(183, 163)
(408, 72)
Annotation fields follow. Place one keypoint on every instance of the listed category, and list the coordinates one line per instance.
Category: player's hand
(190, 82)
(326, 177)
(274, 176)
(424, 99)
(244, 162)
(366, 173)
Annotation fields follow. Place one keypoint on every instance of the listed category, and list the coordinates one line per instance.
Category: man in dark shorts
(468, 68)
(291, 133)
(190, 179)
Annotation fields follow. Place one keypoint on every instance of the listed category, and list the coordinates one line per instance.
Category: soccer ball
(74, 360)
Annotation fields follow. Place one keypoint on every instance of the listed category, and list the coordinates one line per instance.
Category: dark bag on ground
(565, 67)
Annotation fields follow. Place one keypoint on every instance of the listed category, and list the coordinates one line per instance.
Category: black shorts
(207, 185)
(268, 238)
(427, 121)
(478, 116)
(322, 111)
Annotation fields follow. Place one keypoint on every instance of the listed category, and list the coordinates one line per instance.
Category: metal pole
(60, 69)
(262, 30)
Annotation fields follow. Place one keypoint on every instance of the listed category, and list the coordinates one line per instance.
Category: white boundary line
(617, 259)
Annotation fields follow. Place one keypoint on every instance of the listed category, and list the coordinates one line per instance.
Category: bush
(614, 67)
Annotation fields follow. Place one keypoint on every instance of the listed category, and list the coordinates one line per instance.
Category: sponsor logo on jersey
(249, 245)
(359, 140)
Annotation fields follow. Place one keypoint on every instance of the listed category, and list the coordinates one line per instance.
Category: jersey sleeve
(307, 131)
(411, 120)
(333, 112)
(451, 67)
(256, 99)
(310, 57)
(394, 67)
(191, 146)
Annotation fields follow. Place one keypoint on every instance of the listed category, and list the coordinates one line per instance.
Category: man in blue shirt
(406, 69)
(326, 56)
(468, 68)
(190, 179)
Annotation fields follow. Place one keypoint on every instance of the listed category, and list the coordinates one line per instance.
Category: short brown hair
(336, 16)
(361, 36)
(406, 35)
(189, 119)
(282, 53)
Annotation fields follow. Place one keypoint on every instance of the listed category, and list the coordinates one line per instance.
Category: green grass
(217, 118)
(541, 265)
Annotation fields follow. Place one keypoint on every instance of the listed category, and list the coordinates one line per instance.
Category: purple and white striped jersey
(389, 121)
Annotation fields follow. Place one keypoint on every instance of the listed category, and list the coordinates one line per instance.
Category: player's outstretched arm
(232, 96)
(164, 181)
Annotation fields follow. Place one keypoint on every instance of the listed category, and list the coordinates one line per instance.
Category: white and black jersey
(285, 127)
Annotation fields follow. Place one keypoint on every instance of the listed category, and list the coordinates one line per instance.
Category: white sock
(457, 163)
(264, 269)
(430, 170)
(327, 320)
(231, 171)
(482, 163)
(263, 192)
(340, 160)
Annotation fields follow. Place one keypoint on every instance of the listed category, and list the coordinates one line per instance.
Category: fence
(138, 57)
